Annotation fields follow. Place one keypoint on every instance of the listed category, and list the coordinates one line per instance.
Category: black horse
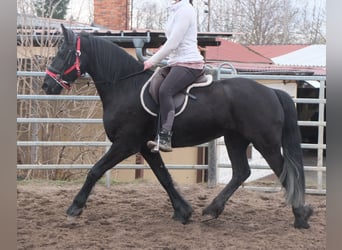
(241, 110)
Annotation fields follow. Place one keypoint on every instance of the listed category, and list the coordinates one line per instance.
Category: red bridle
(58, 76)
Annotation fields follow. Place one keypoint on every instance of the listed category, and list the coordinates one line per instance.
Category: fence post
(212, 164)
(108, 172)
(212, 149)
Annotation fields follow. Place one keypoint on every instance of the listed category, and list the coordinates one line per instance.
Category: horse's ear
(68, 34)
(65, 31)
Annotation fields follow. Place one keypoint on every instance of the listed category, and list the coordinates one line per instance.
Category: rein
(123, 78)
(133, 74)
(58, 76)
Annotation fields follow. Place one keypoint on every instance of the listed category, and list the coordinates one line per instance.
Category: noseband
(58, 76)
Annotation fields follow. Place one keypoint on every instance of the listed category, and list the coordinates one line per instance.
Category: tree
(33, 55)
(148, 16)
(266, 21)
(51, 8)
(312, 23)
(252, 21)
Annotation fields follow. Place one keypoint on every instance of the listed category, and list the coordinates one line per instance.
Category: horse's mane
(110, 60)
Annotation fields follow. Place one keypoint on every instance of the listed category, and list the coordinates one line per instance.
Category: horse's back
(250, 95)
(247, 87)
(235, 104)
(255, 108)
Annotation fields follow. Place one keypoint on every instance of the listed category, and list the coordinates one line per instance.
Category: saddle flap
(149, 95)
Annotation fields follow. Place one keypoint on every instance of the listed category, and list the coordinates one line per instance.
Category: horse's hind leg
(274, 158)
(182, 209)
(236, 146)
(114, 155)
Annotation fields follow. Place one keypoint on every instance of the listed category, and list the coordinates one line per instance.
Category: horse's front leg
(113, 156)
(182, 209)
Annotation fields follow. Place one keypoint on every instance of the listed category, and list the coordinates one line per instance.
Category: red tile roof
(234, 52)
(256, 59)
(271, 51)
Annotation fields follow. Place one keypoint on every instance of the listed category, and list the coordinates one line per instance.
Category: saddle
(149, 94)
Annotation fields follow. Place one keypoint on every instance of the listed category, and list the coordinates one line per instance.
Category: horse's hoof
(74, 211)
(208, 217)
(301, 225)
(209, 214)
(308, 212)
(302, 216)
(213, 210)
(181, 219)
(183, 215)
(71, 219)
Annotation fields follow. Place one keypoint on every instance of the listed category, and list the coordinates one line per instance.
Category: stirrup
(154, 145)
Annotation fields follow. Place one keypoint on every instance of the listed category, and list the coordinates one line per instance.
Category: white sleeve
(181, 25)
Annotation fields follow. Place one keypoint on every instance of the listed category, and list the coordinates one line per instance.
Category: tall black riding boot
(161, 142)
(165, 140)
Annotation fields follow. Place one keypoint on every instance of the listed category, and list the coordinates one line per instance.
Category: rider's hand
(147, 65)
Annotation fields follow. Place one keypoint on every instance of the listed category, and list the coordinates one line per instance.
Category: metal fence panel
(320, 146)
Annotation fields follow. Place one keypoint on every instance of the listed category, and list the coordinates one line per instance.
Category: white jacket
(181, 35)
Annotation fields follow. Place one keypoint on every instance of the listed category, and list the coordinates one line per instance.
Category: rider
(185, 62)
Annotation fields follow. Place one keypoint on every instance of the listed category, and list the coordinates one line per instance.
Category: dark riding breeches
(176, 80)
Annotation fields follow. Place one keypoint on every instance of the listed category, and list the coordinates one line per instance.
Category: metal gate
(212, 166)
(319, 169)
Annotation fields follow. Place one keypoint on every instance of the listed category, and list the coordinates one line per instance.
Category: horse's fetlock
(302, 215)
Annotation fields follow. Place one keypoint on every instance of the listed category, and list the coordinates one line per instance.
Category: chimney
(113, 14)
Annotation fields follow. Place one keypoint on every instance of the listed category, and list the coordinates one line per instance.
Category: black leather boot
(161, 142)
(165, 140)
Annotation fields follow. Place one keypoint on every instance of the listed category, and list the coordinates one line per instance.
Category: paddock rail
(221, 73)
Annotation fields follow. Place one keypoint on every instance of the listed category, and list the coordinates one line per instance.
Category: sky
(82, 10)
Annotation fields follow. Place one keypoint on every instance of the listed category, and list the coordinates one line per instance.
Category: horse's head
(65, 67)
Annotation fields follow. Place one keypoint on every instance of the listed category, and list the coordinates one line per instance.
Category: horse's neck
(106, 59)
(107, 71)
(115, 92)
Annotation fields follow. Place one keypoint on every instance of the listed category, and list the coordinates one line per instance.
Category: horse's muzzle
(50, 87)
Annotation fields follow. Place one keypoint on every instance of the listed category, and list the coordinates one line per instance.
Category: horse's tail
(292, 176)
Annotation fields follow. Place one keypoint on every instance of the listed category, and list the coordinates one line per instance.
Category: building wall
(113, 14)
